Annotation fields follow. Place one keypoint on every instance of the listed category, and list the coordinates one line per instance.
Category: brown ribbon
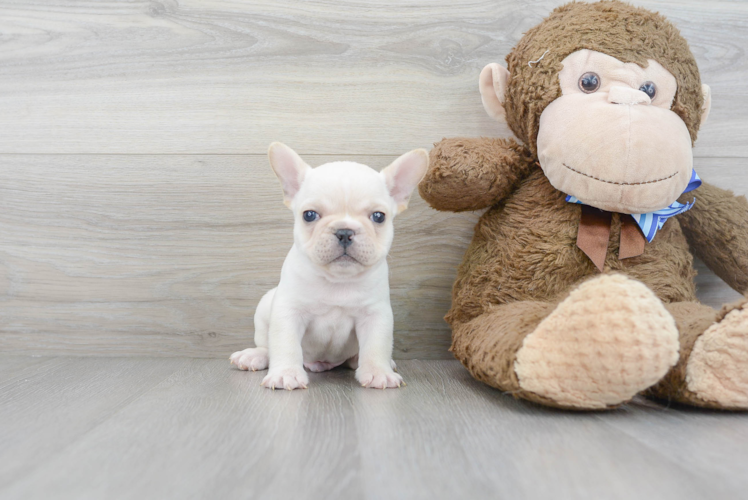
(632, 238)
(594, 233)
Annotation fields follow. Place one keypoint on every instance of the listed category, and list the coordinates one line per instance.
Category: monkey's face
(611, 139)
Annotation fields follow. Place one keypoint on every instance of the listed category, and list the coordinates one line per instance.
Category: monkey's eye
(377, 217)
(649, 89)
(310, 216)
(589, 83)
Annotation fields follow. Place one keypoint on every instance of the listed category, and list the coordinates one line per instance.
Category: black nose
(345, 237)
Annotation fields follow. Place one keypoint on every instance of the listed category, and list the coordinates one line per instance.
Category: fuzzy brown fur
(488, 344)
(524, 248)
(523, 259)
(474, 176)
(692, 320)
(628, 33)
(716, 229)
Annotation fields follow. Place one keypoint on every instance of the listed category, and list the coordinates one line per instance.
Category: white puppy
(332, 305)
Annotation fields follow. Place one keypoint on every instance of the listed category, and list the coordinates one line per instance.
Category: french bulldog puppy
(332, 305)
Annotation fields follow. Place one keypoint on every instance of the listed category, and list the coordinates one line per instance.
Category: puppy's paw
(250, 359)
(352, 363)
(289, 378)
(375, 377)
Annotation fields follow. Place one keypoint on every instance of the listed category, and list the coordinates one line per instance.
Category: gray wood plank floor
(79, 428)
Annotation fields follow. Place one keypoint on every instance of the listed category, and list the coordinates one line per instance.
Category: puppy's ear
(289, 168)
(404, 174)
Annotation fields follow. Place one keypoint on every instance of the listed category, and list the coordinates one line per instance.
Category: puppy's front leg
(375, 365)
(286, 370)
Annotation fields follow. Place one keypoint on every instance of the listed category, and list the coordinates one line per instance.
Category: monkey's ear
(492, 83)
(707, 102)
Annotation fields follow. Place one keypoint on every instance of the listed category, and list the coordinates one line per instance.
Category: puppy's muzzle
(345, 237)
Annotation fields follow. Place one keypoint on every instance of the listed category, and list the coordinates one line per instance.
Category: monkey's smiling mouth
(620, 183)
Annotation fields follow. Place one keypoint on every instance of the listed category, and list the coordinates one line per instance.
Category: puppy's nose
(345, 237)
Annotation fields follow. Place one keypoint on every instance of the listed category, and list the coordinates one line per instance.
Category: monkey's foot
(717, 369)
(610, 339)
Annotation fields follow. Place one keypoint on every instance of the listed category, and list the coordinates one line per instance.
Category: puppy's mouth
(344, 259)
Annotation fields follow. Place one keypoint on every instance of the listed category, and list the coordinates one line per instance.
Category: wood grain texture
(170, 255)
(14, 367)
(45, 411)
(200, 429)
(228, 77)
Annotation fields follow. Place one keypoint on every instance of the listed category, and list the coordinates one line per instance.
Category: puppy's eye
(649, 88)
(589, 83)
(377, 217)
(310, 216)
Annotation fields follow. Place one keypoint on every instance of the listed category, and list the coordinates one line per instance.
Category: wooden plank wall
(138, 215)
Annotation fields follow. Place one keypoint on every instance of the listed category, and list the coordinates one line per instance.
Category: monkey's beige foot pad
(610, 339)
(717, 369)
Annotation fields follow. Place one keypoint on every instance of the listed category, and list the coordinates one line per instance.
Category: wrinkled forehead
(344, 184)
(582, 61)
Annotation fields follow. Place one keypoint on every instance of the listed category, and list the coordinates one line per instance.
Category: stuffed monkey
(577, 290)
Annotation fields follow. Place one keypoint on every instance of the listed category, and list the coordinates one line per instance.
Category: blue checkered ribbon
(652, 222)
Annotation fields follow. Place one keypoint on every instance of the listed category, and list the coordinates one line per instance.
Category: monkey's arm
(717, 231)
(470, 174)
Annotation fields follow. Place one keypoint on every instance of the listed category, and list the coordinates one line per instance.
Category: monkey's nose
(627, 95)
(345, 237)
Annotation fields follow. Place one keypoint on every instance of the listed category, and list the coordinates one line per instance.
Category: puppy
(332, 305)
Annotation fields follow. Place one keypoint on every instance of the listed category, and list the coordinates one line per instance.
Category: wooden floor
(142, 428)
(139, 217)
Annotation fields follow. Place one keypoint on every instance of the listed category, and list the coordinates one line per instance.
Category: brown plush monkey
(577, 290)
